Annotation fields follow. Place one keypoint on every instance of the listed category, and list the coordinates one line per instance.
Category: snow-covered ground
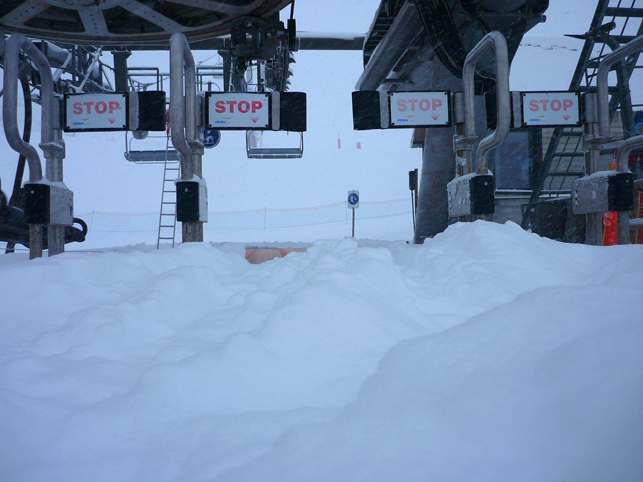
(486, 354)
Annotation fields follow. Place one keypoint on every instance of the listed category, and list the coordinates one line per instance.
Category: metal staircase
(167, 213)
(615, 22)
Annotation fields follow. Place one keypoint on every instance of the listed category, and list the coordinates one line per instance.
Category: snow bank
(488, 353)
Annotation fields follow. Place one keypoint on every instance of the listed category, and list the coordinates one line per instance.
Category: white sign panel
(95, 112)
(550, 109)
(238, 111)
(415, 109)
(353, 199)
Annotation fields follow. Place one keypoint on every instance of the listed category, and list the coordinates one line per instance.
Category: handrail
(14, 45)
(497, 41)
(183, 109)
(602, 88)
(626, 147)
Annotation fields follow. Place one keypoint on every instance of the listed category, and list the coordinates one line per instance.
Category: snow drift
(487, 353)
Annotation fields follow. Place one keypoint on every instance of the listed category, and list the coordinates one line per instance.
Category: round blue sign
(211, 138)
(639, 128)
(353, 199)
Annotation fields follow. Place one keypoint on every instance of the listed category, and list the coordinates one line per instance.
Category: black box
(292, 111)
(152, 113)
(366, 110)
(470, 195)
(37, 203)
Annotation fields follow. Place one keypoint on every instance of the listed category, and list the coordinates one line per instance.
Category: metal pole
(183, 119)
(463, 146)
(592, 145)
(353, 233)
(120, 70)
(413, 209)
(55, 153)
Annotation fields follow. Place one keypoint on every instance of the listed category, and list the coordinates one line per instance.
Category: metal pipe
(601, 81)
(14, 45)
(405, 28)
(497, 41)
(51, 138)
(182, 118)
(624, 151)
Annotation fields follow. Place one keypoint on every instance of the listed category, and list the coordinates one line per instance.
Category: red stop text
(423, 105)
(99, 107)
(244, 106)
(554, 105)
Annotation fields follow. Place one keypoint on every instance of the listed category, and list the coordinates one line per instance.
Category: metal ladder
(167, 213)
(615, 22)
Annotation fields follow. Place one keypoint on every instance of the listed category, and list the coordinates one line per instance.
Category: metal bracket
(464, 143)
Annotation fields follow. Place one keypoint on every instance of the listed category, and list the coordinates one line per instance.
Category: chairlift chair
(274, 152)
(154, 156)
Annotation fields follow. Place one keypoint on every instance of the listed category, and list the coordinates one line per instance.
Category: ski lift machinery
(77, 32)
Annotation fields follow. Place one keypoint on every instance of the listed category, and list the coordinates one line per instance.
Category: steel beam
(405, 28)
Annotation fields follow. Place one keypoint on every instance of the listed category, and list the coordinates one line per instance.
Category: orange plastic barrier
(261, 255)
(610, 229)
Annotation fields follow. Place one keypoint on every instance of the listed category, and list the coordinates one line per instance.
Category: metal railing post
(52, 145)
(503, 106)
(463, 146)
(464, 143)
(626, 147)
(592, 146)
